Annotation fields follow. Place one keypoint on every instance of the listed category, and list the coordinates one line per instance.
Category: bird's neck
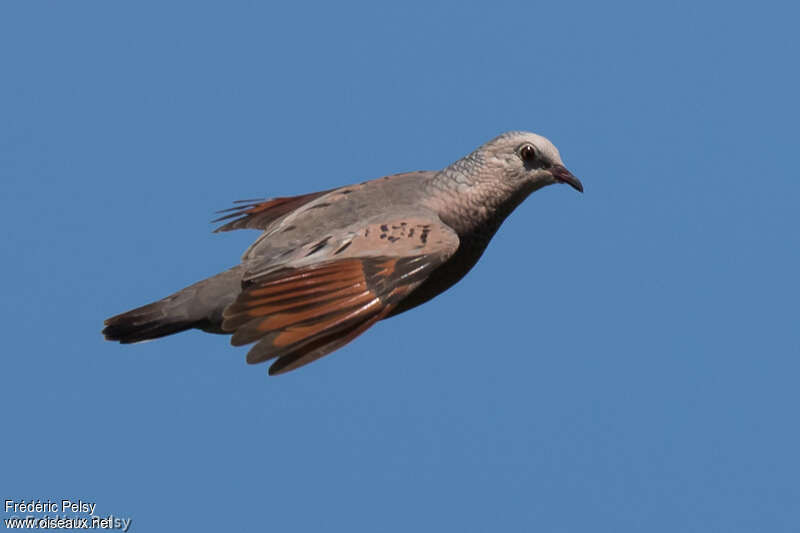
(470, 199)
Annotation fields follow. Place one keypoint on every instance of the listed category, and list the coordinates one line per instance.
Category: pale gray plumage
(328, 265)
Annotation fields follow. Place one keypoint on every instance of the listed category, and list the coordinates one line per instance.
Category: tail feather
(143, 324)
(197, 306)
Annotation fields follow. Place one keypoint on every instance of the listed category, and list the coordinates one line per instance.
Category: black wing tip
(252, 202)
(238, 213)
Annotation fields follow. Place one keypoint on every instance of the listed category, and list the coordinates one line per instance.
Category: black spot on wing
(342, 248)
(319, 246)
(424, 235)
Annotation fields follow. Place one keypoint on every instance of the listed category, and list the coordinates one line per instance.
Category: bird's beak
(562, 175)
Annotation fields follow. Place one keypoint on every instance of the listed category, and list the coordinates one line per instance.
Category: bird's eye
(527, 153)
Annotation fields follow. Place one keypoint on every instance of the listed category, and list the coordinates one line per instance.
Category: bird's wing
(299, 313)
(259, 213)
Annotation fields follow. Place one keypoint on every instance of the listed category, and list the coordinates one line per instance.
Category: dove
(330, 264)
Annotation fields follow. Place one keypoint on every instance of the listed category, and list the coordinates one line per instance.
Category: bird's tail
(197, 306)
(144, 323)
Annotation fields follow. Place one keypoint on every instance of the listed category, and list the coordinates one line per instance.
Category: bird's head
(527, 160)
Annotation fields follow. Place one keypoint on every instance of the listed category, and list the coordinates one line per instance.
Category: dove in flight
(330, 264)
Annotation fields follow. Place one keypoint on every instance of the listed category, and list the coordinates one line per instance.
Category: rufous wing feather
(297, 315)
(259, 213)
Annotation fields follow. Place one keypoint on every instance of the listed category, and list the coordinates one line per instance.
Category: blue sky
(621, 360)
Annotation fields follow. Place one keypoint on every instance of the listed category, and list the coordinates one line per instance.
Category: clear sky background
(622, 360)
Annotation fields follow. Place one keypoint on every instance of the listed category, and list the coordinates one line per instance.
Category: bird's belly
(445, 276)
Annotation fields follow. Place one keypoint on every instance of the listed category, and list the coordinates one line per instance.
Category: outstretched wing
(259, 213)
(298, 314)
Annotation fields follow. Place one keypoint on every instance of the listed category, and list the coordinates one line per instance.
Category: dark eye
(527, 153)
